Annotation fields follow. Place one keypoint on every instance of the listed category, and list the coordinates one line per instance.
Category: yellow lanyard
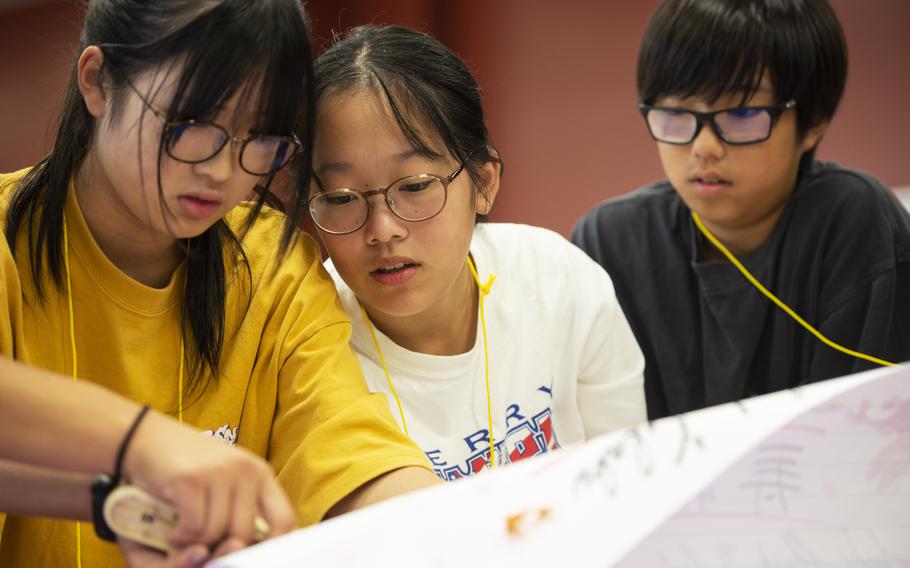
(72, 326)
(780, 304)
(484, 290)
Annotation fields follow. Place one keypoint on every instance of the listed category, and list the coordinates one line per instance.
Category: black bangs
(710, 48)
(430, 91)
(270, 69)
(405, 104)
(265, 68)
(703, 48)
(269, 65)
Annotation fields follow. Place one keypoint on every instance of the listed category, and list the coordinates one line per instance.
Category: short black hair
(714, 47)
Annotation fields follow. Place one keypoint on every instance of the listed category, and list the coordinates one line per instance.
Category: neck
(146, 257)
(449, 327)
(742, 242)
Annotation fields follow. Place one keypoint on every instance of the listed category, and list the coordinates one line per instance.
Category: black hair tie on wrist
(104, 484)
(121, 453)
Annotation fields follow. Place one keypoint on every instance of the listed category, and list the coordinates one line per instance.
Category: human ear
(90, 78)
(488, 187)
(813, 136)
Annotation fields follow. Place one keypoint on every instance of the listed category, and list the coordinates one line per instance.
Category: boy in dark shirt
(737, 94)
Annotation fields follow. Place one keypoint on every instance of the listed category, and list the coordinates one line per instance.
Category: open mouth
(393, 268)
(395, 271)
(197, 207)
(710, 185)
(710, 181)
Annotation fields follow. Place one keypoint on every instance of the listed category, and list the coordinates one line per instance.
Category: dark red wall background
(558, 79)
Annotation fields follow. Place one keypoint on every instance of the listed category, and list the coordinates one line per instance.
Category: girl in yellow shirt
(133, 264)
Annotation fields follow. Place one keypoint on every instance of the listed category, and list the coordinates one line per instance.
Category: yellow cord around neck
(72, 329)
(745, 272)
(484, 289)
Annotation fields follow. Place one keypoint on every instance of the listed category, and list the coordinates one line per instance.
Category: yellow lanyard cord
(484, 290)
(69, 301)
(182, 351)
(745, 272)
(72, 327)
(385, 368)
(69, 298)
(180, 384)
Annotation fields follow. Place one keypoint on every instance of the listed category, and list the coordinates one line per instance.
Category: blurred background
(558, 79)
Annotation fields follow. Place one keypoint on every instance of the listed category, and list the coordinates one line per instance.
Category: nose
(220, 167)
(707, 146)
(382, 225)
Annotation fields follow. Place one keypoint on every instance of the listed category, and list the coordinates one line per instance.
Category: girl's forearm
(34, 491)
(50, 421)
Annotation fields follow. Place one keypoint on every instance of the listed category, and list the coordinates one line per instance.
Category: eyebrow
(342, 166)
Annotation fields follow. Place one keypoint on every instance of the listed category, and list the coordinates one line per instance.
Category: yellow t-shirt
(290, 390)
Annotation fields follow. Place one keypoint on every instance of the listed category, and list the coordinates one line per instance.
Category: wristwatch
(102, 486)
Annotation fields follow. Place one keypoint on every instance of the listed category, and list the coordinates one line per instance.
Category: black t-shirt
(839, 256)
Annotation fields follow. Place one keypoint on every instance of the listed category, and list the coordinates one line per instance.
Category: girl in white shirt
(467, 327)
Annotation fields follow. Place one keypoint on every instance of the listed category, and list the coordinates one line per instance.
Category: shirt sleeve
(330, 435)
(611, 378)
(586, 236)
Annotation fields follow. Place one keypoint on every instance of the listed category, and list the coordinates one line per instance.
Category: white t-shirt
(564, 365)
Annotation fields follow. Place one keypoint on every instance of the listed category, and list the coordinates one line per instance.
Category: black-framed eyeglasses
(738, 125)
(195, 141)
(413, 198)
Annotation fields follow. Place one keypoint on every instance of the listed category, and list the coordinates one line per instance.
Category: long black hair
(715, 47)
(224, 47)
(422, 80)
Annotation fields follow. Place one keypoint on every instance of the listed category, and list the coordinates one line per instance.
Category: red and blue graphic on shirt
(527, 436)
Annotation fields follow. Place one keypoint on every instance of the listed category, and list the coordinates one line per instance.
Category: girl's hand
(139, 556)
(217, 490)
